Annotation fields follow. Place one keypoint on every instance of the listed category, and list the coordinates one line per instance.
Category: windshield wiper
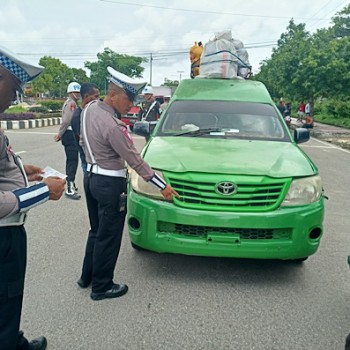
(198, 132)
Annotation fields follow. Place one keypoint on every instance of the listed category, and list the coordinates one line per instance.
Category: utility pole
(180, 71)
(151, 59)
(150, 69)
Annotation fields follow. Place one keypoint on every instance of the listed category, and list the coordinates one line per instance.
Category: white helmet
(73, 87)
(147, 90)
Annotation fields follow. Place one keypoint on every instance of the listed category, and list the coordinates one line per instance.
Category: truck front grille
(244, 233)
(250, 196)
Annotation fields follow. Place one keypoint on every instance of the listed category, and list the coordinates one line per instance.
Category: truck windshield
(223, 119)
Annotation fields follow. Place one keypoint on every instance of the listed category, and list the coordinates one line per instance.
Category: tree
(129, 65)
(55, 77)
(280, 72)
(305, 65)
(79, 75)
(171, 83)
(327, 69)
(342, 23)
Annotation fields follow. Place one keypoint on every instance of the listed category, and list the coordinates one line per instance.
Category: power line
(155, 54)
(320, 10)
(202, 11)
(333, 10)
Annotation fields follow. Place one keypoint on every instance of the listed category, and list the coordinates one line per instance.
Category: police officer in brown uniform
(66, 135)
(16, 198)
(149, 110)
(107, 145)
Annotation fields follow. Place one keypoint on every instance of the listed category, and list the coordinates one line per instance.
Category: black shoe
(38, 344)
(82, 284)
(116, 291)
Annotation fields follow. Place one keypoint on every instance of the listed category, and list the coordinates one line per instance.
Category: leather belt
(95, 169)
(13, 220)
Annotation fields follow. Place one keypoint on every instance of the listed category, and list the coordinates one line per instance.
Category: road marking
(53, 133)
(326, 145)
(30, 132)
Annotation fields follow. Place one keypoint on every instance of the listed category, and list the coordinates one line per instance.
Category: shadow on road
(193, 269)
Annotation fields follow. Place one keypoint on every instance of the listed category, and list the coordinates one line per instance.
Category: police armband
(157, 181)
(30, 197)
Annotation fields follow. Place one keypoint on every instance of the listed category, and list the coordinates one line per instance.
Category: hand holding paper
(50, 172)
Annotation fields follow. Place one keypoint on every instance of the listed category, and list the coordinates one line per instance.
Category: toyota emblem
(225, 188)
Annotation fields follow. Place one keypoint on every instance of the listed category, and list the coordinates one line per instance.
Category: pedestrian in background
(16, 198)
(149, 109)
(301, 111)
(309, 120)
(165, 103)
(287, 114)
(309, 109)
(281, 106)
(88, 93)
(66, 135)
(107, 145)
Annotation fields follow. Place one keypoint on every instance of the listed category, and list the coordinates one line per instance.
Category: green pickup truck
(247, 189)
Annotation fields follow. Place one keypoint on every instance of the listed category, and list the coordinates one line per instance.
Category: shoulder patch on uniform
(72, 106)
(126, 133)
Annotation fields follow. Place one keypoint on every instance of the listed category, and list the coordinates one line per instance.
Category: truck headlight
(140, 186)
(304, 191)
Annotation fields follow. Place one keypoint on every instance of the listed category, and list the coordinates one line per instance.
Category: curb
(30, 123)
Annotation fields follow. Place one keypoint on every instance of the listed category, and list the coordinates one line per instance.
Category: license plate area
(214, 237)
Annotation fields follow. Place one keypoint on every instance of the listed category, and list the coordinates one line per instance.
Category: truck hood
(244, 157)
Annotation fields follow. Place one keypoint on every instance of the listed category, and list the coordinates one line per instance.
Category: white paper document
(48, 172)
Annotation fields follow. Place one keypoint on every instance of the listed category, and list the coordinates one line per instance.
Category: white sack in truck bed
(222, 59)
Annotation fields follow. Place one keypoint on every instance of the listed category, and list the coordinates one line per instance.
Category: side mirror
(142, 128)
(301, 135)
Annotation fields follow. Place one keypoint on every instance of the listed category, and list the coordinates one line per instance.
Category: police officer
(88, 92)
(164, 105)
(149, 109)
(66, 135)
(16, 198)
(107, 145)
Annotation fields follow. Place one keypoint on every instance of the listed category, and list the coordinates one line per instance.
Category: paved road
(180, 302)
(333, 134)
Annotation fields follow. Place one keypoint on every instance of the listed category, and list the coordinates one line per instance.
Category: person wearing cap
(88, 92)
(16, 198)
(66, 135)
(149, 109)
(107, 145)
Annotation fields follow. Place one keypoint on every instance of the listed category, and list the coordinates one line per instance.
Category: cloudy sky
(75, 31)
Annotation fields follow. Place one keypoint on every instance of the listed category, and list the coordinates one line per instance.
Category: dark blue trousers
(70, 148)
(106, 229)
(13, 259)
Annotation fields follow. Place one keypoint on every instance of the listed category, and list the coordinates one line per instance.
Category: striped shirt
(15, 196)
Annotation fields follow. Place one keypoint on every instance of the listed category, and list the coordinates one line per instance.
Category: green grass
(342, 122)
(16, 109)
